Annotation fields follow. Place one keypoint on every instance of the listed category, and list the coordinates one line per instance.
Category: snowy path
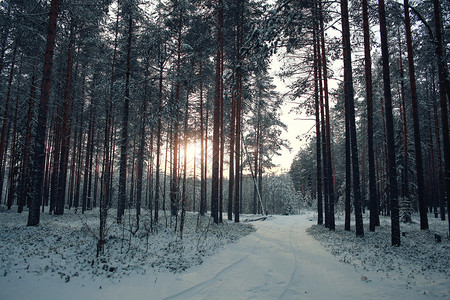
(278, 261)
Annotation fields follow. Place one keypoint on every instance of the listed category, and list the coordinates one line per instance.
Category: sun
(193, 152)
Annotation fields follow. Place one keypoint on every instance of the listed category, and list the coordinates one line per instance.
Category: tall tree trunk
(348, 168)
(416, 122)
(434, 183)
(194, 188)
(140, 156)
(326, 178)
(231, 168)
(184, 196)
(56, 153)
(318, 131)
(84, 196)
(241, 177)
(206, 158)
(41, 130)
(79, 155)
(239, 42)
(222, 135)
(174, 187)
(113, 157)
(167, 160)
(150, 193)
(405, 179)
(106, 180)
(444, 93)
(373, 199)
(257, 133)
(130, 202)
(158, 140)
(260, 178)
(329, 168)
(91, 161)
(97, 173)
(47, 170)
(203, 150)
(24, 186)
(439, 159)
(384, 179)
(6, 123)
(6, 31)
(65, 131)
(348, 83)
(12, 180)
(216, 127)
(122, 197)
(392, 171)
(363, 169)
(73, 166)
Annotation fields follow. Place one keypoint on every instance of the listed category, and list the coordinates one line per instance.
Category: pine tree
(39, 147)
(348, 82)
(416, 122)
(391, 163)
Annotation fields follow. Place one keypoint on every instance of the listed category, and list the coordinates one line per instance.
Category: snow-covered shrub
(279, 195)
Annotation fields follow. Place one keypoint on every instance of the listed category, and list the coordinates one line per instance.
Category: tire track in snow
(195, 290)
(292, 287)
(192, 290)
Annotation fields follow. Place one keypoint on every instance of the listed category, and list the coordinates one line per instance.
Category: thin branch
(422, 19)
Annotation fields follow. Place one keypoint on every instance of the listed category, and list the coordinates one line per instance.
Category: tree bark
(232, 161)
(439, 159)
(174, 188)
(416, 123)
(140, 156)
(217, 113)
(318, 131)
(158, 140)
(405, 178)
(257, 133)
(5, 123)
(444, 94)
(348, 83)
(24, 186)
(202, 208)
(12, 180)
(221, 129)
(392, 171)
(84, 196)
(239, 42)
(76, 196)
(184, 196)
(107, 165)
(329, 168)
(41, 130)
(65, 138)
(122, 197)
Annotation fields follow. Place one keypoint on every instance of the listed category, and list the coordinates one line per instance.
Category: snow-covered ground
(421, 264)
(277, 261)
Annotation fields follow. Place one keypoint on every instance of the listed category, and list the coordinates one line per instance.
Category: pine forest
(224, 149)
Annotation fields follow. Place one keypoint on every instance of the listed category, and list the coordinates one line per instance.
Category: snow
(280, 260)
(421, 264)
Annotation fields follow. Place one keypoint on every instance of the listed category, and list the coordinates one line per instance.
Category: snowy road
(278, 261)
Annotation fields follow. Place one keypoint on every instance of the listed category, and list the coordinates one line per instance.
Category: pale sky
(298, 124)
(295, 126)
